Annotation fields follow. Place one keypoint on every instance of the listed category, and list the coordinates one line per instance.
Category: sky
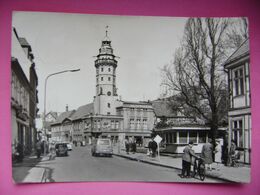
(62, 41)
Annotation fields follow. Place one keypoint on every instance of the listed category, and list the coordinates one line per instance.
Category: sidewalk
(29, 171)
(226, 174)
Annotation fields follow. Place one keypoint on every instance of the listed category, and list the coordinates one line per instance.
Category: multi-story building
(238, 69)
(24, 94)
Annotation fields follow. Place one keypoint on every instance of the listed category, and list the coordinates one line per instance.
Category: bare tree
(197, 75)
(237, 32)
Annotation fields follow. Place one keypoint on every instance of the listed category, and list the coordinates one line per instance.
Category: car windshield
(104, 142)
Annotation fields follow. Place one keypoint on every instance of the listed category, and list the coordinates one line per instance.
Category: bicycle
(199, 168)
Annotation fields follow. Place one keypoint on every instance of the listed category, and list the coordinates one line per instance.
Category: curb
(171, 167)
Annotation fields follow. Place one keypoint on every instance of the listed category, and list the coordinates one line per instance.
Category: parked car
(69, 146)
(102, 146)
(61, 149)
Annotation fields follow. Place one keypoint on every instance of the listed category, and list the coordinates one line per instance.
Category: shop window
(183, 137)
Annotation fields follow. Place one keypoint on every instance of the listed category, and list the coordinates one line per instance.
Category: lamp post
(45, 87)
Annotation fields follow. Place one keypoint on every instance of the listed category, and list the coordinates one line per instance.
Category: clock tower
(105, 101)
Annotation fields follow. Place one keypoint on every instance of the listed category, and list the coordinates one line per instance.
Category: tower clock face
(109, 93)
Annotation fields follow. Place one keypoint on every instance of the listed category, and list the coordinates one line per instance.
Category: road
(81, 166)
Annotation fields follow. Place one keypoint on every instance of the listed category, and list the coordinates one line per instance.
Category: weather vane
(106, 30)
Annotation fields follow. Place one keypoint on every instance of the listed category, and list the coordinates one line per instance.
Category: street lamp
(45, 87)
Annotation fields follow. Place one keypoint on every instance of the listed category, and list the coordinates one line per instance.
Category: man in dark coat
(188, 153)
(153, 148)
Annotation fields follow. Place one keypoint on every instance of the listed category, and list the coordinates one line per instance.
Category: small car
(69, 145)
(61, 149)
(102, 146)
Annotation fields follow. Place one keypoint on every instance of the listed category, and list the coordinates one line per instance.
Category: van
(102, 146)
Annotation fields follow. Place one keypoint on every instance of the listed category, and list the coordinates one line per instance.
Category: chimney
(67, 108)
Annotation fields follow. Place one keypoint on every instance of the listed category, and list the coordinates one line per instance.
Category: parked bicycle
(199, 168)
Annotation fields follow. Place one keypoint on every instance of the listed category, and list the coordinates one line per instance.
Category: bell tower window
(101, 78)
(109, 78)
(108, 105)
(102, 69)
(108, 69)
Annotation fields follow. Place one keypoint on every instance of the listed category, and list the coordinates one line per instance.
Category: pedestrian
(134, 146)
(153, 148)
(149, 152)
(207, 154)
(19, 152)
(52, 151)
(232, 153)
(38, 148)
(127, 145)
(187, 156)
(218, 154)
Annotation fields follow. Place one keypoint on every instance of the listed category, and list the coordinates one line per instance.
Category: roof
(242, 51)
(63, 116)
(137, 103)
(163, 109)
(83, 111)
(23, 41)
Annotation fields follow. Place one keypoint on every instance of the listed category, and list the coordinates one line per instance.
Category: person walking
(134, 146)
(232, 153)
(207, 154)
(218, 154)
(127, 145)
(38, 148)
(153, 148)
(187, 156)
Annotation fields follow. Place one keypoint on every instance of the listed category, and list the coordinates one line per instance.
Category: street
(81, 166)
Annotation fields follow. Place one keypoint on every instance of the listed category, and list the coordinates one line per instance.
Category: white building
(238, 67)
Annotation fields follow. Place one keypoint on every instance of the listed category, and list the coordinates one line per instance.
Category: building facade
(239, 115)
(24, 94)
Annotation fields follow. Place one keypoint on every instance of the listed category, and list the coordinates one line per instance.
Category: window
(102, 69)
(97, 80)
(144, 123)
(239, 81)
(101, 78)
(183, 137)
(109, 93)
(108, 69)
(108, 105)
(193, 136)
(202, 136)
(108, 113)
(113, 124)
(132, 123)
(109, 78)
(237, 132)
(117, 124)
(138, 123)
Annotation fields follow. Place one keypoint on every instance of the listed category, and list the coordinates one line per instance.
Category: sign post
(158, 140)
